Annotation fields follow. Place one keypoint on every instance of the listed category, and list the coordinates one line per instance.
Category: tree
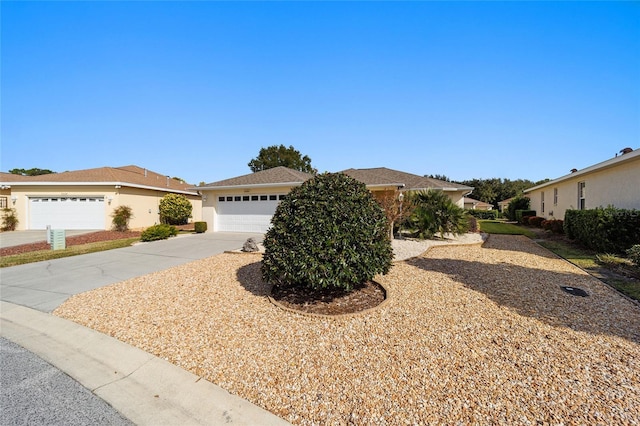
(30, 172)
(397, 207)
(175, 209)
(439, 177)
(328, 233)
(518, 203)
(275, 156)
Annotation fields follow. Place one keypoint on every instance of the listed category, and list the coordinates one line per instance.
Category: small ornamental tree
(175, 209)
(120, 218)
(396, 206)
(327, 233)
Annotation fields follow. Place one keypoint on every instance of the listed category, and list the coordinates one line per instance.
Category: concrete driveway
(16, 238)
(46, 285)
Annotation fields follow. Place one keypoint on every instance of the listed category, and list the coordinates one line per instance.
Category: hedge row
(484, 214)
(606, 230)
(521, 214)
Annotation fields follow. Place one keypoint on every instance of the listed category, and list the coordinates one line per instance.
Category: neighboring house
(85, 199)
(504, 204)
(247, 203)
(613, 182)
(471, 204)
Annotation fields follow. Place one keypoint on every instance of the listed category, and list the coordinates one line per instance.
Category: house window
(555, 196)
(254, 198)
(237, 198)
(263, 198)
(281, 197)
(221, 199)
(229, 198)
(245, 198)
(273, 197)
(542, 202)
(582, 196)
(3, 202)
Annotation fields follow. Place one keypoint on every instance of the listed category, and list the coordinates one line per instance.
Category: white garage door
(66, 212)
(246, 213)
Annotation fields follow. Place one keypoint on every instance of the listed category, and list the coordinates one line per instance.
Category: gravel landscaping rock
(472, 335)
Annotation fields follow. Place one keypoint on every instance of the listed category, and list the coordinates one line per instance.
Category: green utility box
(58, 239)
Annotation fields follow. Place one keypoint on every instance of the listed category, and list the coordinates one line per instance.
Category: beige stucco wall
(145, 205)
(618, 186)
(140, 200)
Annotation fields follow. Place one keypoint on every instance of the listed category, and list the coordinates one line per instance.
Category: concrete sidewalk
(145, 389)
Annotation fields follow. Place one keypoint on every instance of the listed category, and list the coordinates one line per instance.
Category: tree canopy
(495, 189)
(31, 172)
(275, 156)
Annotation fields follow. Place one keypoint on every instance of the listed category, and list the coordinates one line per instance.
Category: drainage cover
(575, 291)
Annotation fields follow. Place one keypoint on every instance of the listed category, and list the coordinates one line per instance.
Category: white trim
(600, 166)
(130, 185)
(256, 185)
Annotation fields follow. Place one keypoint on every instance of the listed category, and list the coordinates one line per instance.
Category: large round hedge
(327, 233)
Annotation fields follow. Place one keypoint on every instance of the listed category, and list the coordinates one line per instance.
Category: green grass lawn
(498, 227)
(40, 255)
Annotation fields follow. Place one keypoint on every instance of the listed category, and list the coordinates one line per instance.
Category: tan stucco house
(472, 204)
(85, 199)
(247, 203)
(613, 182)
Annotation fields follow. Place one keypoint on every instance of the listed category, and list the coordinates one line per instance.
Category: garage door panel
(245, 216)
(67, 213)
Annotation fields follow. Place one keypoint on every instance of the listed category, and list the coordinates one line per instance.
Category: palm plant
(434, 213)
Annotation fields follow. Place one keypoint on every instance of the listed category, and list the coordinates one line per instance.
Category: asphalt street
(33, 392)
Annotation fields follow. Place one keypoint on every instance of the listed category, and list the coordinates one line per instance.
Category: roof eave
(245, 186)
(114, 184)
(596, 167)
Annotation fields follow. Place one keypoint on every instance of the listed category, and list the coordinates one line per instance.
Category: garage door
(66, 212)
(246, 213)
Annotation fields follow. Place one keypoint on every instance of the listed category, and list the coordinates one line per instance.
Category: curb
(142, 387)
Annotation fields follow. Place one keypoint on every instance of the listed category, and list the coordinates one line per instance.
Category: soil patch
(330, 301)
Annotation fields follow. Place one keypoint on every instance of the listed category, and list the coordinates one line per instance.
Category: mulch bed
(76, 240)
(330, 301)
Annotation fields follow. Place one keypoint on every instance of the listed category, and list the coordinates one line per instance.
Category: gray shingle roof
(276, 175)
(124, 175)
(384, 176)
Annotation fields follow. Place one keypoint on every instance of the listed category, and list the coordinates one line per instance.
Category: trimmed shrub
(553, 225)
(175, 209)
(9, 219)
(200, 227)
(120, 218)
(634, 254)
(606, 230)
(327, 233)
(484, 214)
(158, 232)
(521, 214)
(518, 203)
(536, 221)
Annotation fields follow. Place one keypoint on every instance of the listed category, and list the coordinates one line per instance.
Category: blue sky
(195, 89)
